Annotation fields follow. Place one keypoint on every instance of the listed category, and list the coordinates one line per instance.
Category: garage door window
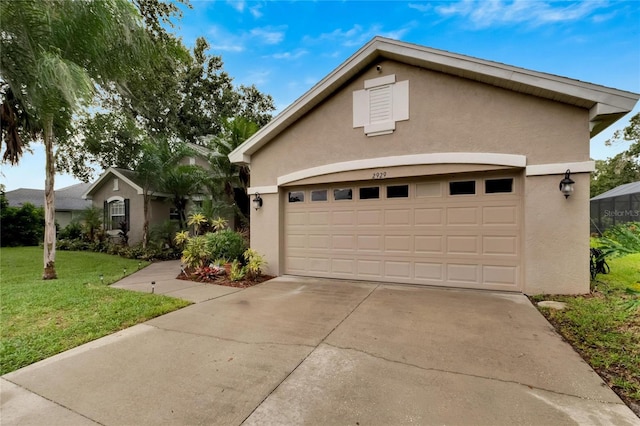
(370, 193)
(495, 186)
(467, 187)
(319, 195)
(398, 191)
(343, 194)
(296, 196)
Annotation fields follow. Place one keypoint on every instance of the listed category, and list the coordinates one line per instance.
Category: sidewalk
(164, 275)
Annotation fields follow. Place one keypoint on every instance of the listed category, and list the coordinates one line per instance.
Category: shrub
(72, 231)
(226, 244)
(253, 263)
(237, 272)
(21, 226)
(196, 252)
(621, 240)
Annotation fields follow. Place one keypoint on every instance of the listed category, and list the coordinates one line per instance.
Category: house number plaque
(379, 175)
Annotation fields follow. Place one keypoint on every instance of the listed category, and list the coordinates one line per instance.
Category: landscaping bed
(223, 279)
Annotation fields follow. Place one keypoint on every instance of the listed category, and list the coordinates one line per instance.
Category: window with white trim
(116, 215)
(381, 103)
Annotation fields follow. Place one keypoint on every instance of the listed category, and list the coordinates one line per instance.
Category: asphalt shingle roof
(68, 198)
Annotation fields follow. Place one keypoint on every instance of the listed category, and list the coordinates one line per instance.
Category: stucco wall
(136, 216)
(447, 114)
(266, 224)
(556, 236)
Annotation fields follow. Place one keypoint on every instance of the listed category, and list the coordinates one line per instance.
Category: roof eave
(606, 105)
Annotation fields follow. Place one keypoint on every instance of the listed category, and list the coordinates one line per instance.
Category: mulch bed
(224, 280)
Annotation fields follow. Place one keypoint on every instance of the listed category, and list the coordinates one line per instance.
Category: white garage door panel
(430, 237)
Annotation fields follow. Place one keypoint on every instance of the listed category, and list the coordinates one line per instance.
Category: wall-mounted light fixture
(257, 201)
(566, 184)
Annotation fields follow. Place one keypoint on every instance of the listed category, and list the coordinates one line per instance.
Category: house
(412, 165)
(618, 205)
(120, 194)
(69, 202)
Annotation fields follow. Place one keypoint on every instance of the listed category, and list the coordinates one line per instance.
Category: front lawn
(604, 326)
(42, 318)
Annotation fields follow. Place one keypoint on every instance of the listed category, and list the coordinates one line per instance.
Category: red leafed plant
(208, 273)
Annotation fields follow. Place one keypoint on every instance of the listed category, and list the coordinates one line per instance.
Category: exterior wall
(266, 224)
(136, 215)
(556, 236)
(448, 114)
(64, 218)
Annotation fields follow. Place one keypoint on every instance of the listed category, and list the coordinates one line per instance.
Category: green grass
(42, 318)
(604, 326)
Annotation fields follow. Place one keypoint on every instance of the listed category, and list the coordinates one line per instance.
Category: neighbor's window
(116, 214)
(319, 195)
(174, 214)
(343, 194)
(398, 191)
(370, 193)
(466, 187)
(493, 186)
(296, 196)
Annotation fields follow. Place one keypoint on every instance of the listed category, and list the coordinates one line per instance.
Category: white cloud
(255, 11)
(298, 53)
(227, 41)
(485, 13)
(268, 35)
(222, 40)
(421, 7)
(359, 35)
(237, 5)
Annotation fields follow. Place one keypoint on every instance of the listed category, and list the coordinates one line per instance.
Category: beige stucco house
(412, 165)
(119, 193)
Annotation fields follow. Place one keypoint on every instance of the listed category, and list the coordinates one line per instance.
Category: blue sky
(285, 47)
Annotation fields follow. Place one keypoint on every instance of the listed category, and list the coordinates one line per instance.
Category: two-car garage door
(460, 231)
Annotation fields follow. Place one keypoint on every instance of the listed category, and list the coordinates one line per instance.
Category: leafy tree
(622, 168)
(53, 56)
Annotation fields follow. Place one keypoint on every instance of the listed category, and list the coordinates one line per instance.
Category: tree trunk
(49, 205)
(145, 226)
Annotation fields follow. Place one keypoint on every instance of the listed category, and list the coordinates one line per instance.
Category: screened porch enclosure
(616, 206)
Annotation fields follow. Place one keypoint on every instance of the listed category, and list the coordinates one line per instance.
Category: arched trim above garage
(508, 160)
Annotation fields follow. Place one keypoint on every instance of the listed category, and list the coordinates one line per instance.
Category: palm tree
(53, 55)
(231, 181)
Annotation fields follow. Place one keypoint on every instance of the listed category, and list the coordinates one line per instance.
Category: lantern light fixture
(257, 201)
(566, 184)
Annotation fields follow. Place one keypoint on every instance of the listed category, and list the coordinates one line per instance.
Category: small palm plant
(197, 220)
(219, 224)
(254, 263)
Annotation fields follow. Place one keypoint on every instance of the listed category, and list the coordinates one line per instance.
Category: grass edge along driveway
(604, 326)
(43, 318)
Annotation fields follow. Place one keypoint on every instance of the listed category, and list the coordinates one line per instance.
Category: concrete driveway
(312, 351)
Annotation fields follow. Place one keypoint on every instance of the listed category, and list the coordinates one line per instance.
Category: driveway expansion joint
(227, 339)
(458, 373)
(374, 288)
(52, 401)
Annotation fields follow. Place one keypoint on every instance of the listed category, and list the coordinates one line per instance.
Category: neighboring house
(618, 205)
(69, 202)
(119, 193)
(413, 165)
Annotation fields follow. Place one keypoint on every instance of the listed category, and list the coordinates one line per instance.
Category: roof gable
(606, 105)
(126, 176)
